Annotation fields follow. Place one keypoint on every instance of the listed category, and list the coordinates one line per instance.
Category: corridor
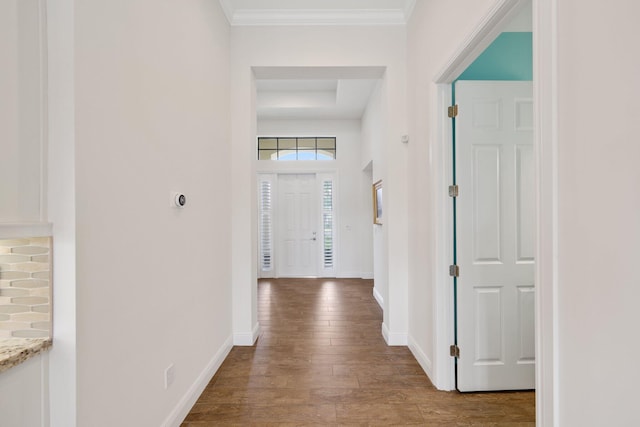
(321, 360)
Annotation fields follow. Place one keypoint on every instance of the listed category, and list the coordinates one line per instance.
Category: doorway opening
(483, 349)
(313, 175)
(296, 225)
(494, 236)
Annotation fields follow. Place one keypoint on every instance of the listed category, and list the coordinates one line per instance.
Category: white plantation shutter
(327, 224)
(266, 226)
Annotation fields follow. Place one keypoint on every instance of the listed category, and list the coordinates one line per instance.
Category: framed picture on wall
(377, 202)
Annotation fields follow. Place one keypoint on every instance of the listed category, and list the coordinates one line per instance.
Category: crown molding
(228, 9)
(316, 17)
(408, 9)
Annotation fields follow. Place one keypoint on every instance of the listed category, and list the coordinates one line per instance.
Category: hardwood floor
(321, 360)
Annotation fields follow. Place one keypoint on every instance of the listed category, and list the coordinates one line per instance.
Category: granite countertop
(14, 351)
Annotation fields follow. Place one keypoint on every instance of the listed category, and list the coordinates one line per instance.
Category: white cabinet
(22, 111)
(24, 402)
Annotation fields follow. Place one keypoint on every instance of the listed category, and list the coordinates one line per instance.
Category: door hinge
(454, 271)
(454, 351)
(452, 111)
(453, 191)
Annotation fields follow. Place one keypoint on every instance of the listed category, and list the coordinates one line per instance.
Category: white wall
(353, 219)
(153, 282)
(366, 197)
(62, 210)
(23, 403)
(372, 155)
(435, 32)
(22, 111)
(321, 46)
(598, 213)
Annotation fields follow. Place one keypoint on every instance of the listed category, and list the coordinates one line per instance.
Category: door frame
(321, 174)
(545, 96)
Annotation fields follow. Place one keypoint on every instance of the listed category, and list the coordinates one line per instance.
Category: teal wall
(509, 57)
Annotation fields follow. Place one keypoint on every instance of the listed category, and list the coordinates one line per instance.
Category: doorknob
(314, 236)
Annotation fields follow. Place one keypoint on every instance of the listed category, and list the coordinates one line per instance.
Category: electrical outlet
(169, 376)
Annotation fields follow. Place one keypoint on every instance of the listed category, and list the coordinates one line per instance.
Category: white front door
(495, 236)
(297, 226)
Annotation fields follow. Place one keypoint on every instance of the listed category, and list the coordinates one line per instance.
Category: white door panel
(297, 219)
(266, 227)
(525, 226)
(526, 307)
(486, 204)
(495, 236)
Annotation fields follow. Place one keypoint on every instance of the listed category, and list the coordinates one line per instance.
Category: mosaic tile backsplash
(25, 288)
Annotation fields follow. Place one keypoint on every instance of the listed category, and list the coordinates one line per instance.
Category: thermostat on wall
(179, 200)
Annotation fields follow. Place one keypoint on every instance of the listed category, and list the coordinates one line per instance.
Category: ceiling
(313, 99)
(317, 12)
(320, 93)
(314, 93)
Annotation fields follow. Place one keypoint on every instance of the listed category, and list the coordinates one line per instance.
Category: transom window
(293, 148)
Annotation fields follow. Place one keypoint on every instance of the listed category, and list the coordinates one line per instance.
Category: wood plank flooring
(321, 360)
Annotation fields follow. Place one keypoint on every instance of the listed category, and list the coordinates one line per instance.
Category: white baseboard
(247, 339)
(180, 412)
(348, 275)
(421, 357)
(354, 275)
(393, 338)
(378, 298)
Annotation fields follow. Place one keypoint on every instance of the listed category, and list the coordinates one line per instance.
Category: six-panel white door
(495, 236)
(297, 220)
